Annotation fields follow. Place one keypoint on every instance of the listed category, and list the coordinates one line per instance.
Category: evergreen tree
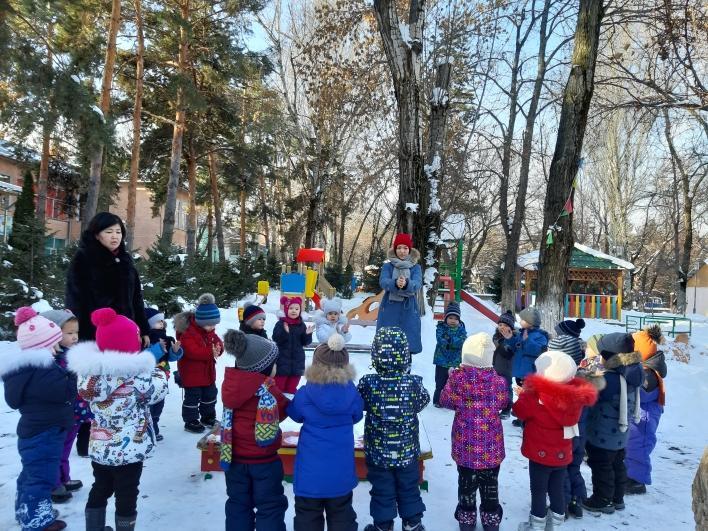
(26, 240)
(495, 284)
(372, 271)
(164, 277)
(347, 282)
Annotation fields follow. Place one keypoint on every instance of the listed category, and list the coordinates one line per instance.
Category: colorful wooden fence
(583, 305)
(593, 306)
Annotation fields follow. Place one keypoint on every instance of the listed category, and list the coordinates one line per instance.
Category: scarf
(226, 448)
(267, 429)
(401, 268)
(636, 416)
(290, 320)
(662, 391)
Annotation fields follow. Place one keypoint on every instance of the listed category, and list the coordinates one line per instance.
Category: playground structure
(595, 281)
(307, 281)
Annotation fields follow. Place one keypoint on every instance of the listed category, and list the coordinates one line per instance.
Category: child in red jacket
(251, 437)
(550, 405)
(196, 331)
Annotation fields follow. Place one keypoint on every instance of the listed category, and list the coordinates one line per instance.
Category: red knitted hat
(115, 332)
(287, 301)
(403, 239)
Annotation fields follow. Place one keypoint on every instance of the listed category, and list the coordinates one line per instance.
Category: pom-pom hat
(478, 351)
(35, 331)
(115, 332)
(207, 313)
(403, 239)
(570, 327)
(289, 301)
(253, 352)
(333, 353)
(332, 305)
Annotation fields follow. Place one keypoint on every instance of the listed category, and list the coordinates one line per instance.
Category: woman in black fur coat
(102, 275)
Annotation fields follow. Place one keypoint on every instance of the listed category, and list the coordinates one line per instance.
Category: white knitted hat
(478, 351)
(556, 366)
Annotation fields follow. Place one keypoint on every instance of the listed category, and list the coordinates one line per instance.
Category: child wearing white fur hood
(331, 320)
(120, 382)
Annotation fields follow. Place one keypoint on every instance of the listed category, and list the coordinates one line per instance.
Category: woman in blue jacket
(328, 405)
(401, 278)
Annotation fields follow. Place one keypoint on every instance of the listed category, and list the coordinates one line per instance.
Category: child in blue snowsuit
(527, 345)
(450, 334)
(392, 400)
(642, 434)
(328, 406)
(164, 351)
(44, 392)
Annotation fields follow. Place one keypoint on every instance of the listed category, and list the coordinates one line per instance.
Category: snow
(440, 97)
(176, 494)
(529, 261)
(41, 306)
(405, 34)
(76, 79)
(413, 207)
(97, 110)
(6, 264)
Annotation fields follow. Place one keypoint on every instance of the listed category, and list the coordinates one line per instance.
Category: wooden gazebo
(594, 286)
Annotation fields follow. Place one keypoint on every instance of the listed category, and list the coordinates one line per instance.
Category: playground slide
(479, 306)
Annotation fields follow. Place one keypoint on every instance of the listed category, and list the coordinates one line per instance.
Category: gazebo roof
(583, 257)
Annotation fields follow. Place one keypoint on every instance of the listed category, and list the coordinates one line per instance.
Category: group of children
(603, 401)
(572, 400)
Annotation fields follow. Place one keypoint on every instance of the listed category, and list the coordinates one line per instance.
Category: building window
(53, 245)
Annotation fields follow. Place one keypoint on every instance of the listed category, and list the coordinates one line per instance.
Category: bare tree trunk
(361, 227)
(137, 119)
(192, 211)
(342, 229)
(404, 58)
(216, 200)
(577, 96)
(311, 221)
(94, 187)
(264, 211)
(168, 222)
(513, 232)
(43, 177)
(210, 234)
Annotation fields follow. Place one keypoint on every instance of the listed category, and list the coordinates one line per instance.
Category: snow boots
(634, 487)
(574, 509)
(126, 523)
(96, 519)
(554, 520)
(466, 519)
(194, 426)
(61, 495)
(598, 505)
(534, 523)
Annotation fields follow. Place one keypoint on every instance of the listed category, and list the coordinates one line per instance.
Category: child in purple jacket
(476, 392)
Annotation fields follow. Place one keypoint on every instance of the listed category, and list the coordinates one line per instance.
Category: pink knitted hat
(115, 332)
(35, 331)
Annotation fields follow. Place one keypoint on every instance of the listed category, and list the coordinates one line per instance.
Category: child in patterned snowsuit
(392, 400)
(476, 392)
(44, 393)
(121, 383)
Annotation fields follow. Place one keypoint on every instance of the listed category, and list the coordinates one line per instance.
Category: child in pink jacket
(476, 392)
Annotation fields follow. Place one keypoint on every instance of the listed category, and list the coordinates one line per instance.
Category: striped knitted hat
(207, 313)
(251, 313)
(35, 331)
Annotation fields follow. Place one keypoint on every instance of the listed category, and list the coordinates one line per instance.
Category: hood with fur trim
(181, 321)
(563, 401)
(622, 360)
(320, 318)
(13, 359)
(318, 373)
(413, 256)
(86, 360)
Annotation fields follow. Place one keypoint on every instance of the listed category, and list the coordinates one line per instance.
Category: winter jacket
(39, 387)
(238, 392)
(98, 279)
(167, 355)
(392, 400)
(324, 328)
(503, 355)
(403, 314)
(527, 350)
(291, 348)
(82, 410)
(328, 409)
(197, 367)
(571, 345)
(546, 407)
(603, 420)
(476, 395)
(448, 349)
(248, 330)
(654, 373)
(121, 387)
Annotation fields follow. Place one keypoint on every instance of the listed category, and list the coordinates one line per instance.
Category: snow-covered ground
(174, 494)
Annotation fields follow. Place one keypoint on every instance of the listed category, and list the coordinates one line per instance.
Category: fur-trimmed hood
(622, 360)
(594, 377)
(413, 256)
(86, 360)
(181, 321)
(13, 358)
(563, 401)
(319, 373)
(320, 318)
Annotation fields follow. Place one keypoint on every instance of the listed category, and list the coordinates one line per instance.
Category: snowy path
(175, 495)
